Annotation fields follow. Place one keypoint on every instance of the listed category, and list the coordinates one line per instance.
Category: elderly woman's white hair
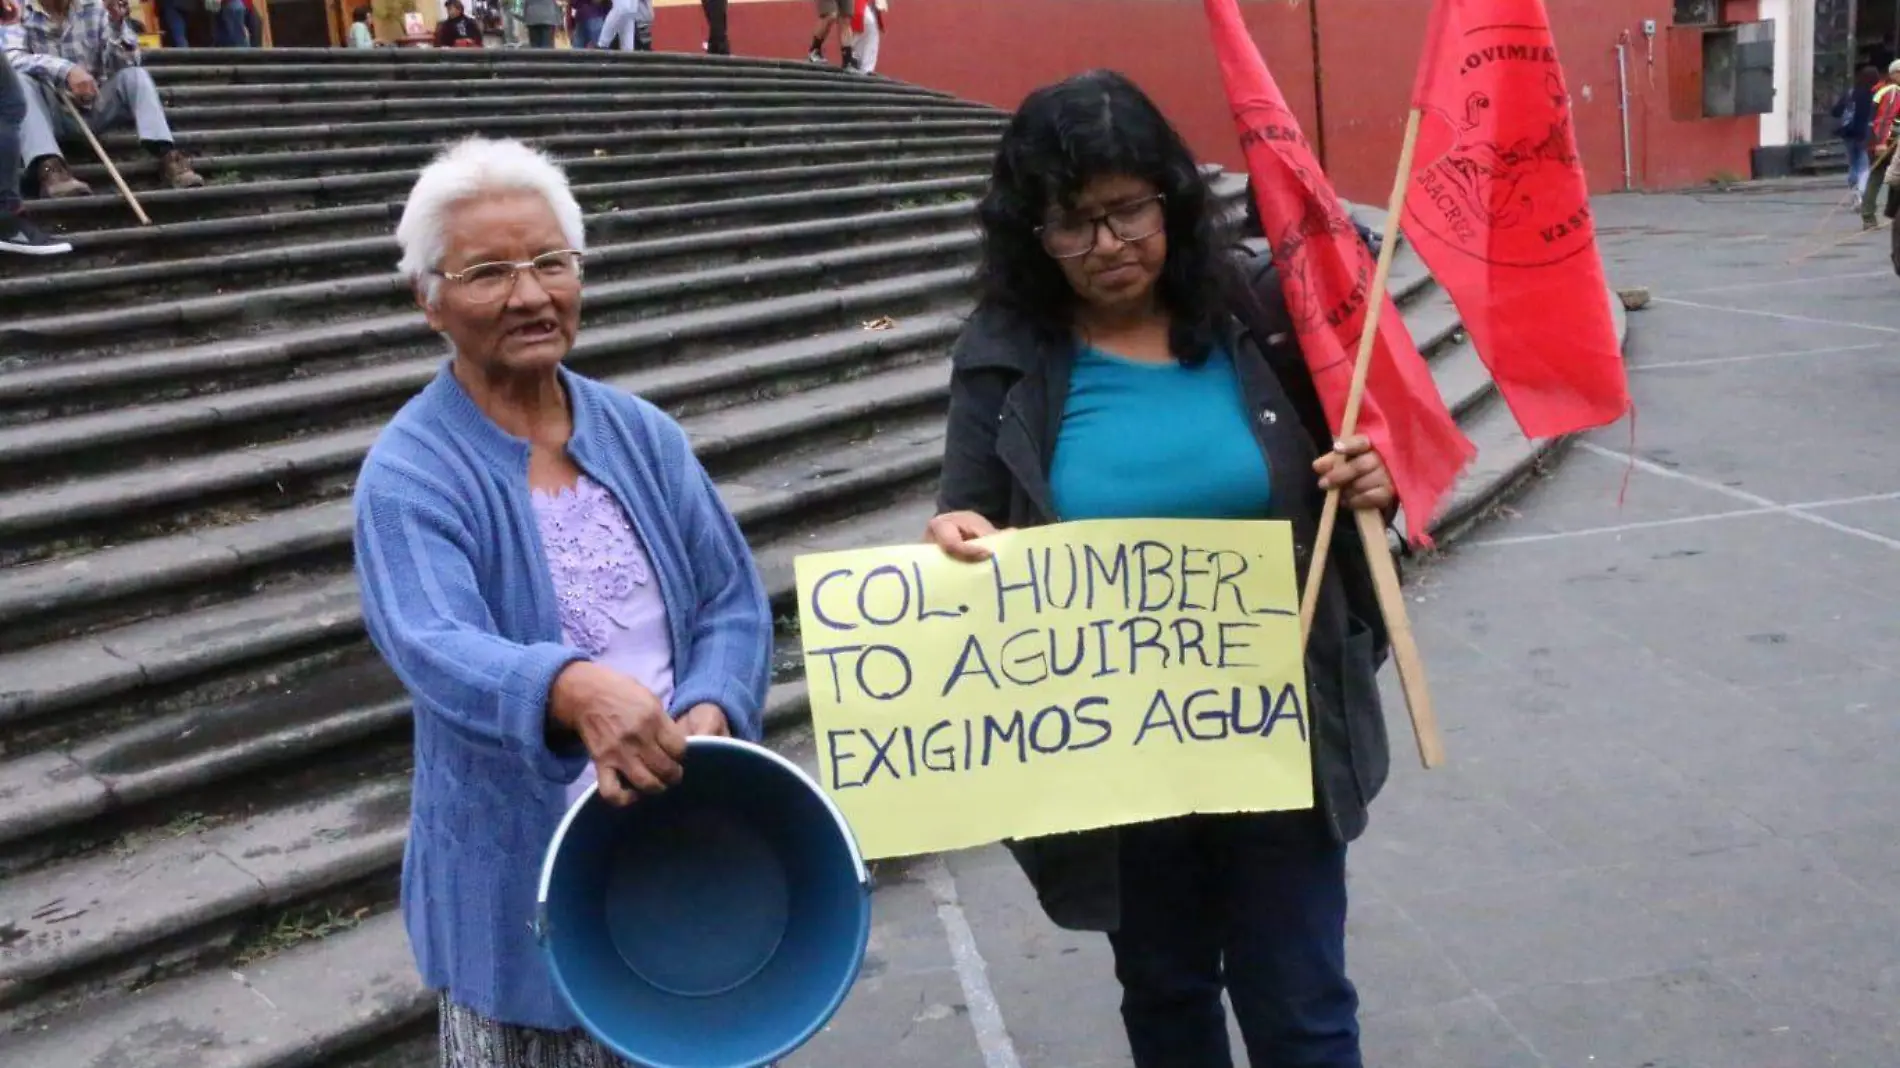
(465, 171)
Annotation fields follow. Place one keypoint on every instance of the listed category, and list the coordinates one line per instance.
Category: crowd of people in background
(1865, 118)
(603, 24)
(68, 62)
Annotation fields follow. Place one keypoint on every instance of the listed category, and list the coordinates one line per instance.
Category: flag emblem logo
(1483, 182)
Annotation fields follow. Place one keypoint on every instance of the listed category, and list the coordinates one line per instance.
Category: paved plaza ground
(1666, 837)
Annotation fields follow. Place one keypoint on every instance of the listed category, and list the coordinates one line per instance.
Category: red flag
(1499, 210)
(1326, 274)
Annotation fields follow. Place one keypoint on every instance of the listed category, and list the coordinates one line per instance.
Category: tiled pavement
(1669, 832)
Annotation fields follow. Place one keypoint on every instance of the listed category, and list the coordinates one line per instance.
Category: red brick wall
(998, 50)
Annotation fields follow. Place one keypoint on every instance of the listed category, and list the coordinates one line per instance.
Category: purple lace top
(610, 601)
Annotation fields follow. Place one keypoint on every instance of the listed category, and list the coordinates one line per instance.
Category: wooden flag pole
(99, 150)
(1385, 574)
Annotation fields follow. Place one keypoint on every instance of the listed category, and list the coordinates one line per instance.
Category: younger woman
(1107, 374)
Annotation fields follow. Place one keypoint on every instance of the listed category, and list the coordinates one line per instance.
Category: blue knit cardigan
(457, 597)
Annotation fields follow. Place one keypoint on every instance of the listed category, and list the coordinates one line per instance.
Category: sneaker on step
(19, 235)
(815, 56)
(175, 171)
(57, 181)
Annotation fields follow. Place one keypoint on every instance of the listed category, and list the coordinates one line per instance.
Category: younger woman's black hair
(1090, 126)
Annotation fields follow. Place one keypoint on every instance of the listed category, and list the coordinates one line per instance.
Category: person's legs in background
(1876, 179)
(1167, 951)
(540, 37)
(254, 26)
(1282, 880)
(587, 31)
(617, 27)
(131, 94)
(39, 142)
(1857, 167)
(864, 45)
(16, 233)
(828, 19)
(717, 43)
(228, 25)
(643, 37)
(172, 14)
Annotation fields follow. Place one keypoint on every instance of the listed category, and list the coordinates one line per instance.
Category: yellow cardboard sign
(1091, 674)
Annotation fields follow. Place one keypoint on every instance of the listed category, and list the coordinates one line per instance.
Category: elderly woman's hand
(705, 721)
(1358, 472)
(636, 746)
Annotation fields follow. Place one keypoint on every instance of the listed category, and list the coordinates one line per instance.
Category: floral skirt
(471, 1040)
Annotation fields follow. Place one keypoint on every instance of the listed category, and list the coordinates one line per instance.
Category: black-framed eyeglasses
(490, 283)
(1073, 237)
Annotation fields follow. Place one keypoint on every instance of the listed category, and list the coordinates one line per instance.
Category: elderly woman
(1107, 374)
(552, 576)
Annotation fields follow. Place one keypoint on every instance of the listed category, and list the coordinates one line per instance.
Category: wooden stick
(1398, 629)
(99, 150)
(1385, 576)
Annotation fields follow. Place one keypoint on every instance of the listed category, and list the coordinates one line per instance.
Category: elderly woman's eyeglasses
(1073, 236)
(489, 283)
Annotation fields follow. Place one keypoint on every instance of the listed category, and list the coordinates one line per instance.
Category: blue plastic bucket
(717, 925)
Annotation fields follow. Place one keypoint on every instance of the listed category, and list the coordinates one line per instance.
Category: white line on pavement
(1620, 528)
(1783, 316)
(986, 1016)
(1752, 357)
(1681, 520)
(1842, 502)
(1732, 493)
(1782, 282)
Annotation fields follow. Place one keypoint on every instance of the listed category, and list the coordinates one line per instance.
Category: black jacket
(1007, 393)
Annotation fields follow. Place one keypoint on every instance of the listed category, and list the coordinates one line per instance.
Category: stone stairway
(204, 766)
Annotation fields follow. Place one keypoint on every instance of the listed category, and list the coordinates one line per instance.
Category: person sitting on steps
(85, 48)
(17, 233)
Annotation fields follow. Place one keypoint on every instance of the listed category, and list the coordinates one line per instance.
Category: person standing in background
(171, 17)
(832, 14)
(458, 30)
(1855, 114)
(630, 24)
(542, 17)
(253, 24)
(361, 36)
(867, 31)
(584, 21)
(228, 29)
(1880, 142)
(717, 43)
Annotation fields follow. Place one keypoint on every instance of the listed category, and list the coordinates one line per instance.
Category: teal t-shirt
(1157, 441)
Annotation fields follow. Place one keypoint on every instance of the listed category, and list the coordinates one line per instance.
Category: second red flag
(1326, 275)
(1499, 210)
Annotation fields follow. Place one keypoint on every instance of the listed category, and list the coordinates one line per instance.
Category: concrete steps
(205, 767)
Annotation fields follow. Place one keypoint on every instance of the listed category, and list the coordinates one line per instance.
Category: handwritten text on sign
(1091, 674)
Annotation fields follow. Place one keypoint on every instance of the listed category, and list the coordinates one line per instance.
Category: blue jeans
(173, 16)
(587, 31)
(1858, 164)
(12, 114)
(229, 30)
(1254, 904)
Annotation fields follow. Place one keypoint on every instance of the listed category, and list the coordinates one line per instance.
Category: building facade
(1665, 93)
